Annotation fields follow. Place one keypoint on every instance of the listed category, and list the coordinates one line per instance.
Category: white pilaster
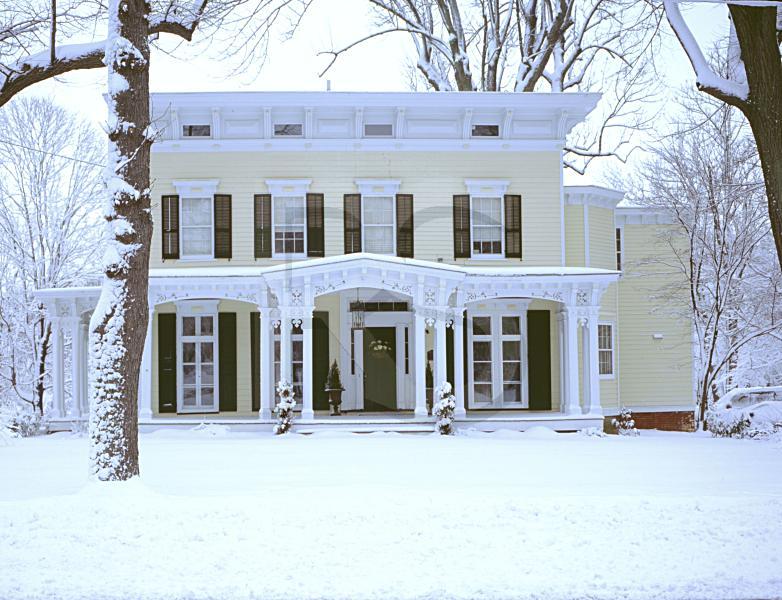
(266, 372)
(570, 399)
(440, 354)
(76, 391)
(285, 346)
(58, 368)
(84, 332)
(145, 378)
(591, 366)
(419, 362)
(458, 364)
(307, 411)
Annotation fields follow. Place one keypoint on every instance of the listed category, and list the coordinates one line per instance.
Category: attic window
(288, 129)
(378, 130)
(485, 131)
(196, 130)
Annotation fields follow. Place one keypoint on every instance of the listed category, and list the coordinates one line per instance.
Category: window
(198, 364)
(481, 361)
(485, 131)
(486, 226)
(288, 129)
(297, 361)
(511, 361)
(378, 130)
(289, 225)
(196, 130)
(618, 248)
(196, 229)
(379, 227)
(605, 348)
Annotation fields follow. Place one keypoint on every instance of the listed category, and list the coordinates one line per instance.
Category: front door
(379, 368)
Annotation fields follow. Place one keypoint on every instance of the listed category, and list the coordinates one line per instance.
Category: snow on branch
(727, 90)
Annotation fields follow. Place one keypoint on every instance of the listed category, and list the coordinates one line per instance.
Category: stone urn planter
(334, 389)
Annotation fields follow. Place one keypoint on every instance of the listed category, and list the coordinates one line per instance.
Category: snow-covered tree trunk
(119, 323)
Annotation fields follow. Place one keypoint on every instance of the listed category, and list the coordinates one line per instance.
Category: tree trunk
(40, 388)
(119, 323)
(756, 32)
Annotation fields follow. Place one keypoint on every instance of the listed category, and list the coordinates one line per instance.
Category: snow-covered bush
(624, 423)
(592, 432)
(20, 421)
(444, 409)
(759, 419)
(284, 408)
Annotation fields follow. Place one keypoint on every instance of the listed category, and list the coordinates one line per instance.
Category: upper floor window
(486, 226)
(289, 224)
(196, 130)
(288, 129)
(196, 229)
(605, 348)
(379, 224)
(485, 131)
(618, 248)
(378, 130)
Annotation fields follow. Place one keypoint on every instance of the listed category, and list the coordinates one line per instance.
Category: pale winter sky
(378, 65)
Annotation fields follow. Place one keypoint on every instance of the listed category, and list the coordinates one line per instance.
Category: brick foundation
(664, 421)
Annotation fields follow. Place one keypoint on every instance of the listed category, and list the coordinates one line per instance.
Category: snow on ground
(241, 515)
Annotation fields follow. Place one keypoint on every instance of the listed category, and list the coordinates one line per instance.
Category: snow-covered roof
(593, 195)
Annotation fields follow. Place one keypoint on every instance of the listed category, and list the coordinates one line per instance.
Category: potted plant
(334, 389)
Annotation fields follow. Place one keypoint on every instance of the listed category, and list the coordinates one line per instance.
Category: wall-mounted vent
(288, 129)
(196, 130)
(485, 131)
(378, 130)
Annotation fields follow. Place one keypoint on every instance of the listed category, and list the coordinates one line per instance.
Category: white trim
(378, 187)
(288, 187)
(611, 375)
(486, 188)
(196, 188)
(636, 215)
(494, 256)
(600, 197)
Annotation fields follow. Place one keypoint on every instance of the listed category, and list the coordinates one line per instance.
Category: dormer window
(288, 130)
(378, 130)
(198, 131)
(485, 131)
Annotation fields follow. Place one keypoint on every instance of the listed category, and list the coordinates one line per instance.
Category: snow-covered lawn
(505, 515)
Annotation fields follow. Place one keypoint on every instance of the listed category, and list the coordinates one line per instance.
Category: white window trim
(289, 187)
(196, 188)
(488, 188)
(379, 188)
(197, 308)
(501, 254)
(612, 375)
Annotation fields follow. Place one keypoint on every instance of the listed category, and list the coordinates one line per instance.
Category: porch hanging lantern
(357, 312)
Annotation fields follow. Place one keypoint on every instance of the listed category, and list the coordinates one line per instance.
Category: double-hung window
(290, 224)
(486, 226)
(605, 349)
(196, 218)
(379, 224)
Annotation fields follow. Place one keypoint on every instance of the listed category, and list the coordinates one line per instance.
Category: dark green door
(379, 368)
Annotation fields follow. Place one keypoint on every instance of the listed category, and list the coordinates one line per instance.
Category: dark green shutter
(461, 226)
(315, 242)
(352, 223)
(512, 226)
(320, 359)
(222, 226)
(166, 364)
(226, 334)
(262, 211)
(449, 357)
(539, 359)
(404, 225)
(169, 209)
(255, 359)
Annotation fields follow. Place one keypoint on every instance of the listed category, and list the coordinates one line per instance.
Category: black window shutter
(255, 359)
(170, 226)
(222, 225)
(315, 243)
(461, 226)
(404, 225)
(352, 220)
(263, 225)
(226, 342)
(539, 359)
(166, 365)
(512, 226)
(320, 359)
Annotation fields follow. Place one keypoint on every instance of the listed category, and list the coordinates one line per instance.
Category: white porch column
(591, 364)
(58, 368)
(76, 355)
(145, 378)
(307, 411)
(84, 332)
(458, 364)
(569, 360)
(419, 360)
(285, 346)
(266, 372)
(440, 354)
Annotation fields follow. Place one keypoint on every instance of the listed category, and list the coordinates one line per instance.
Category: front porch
(518, 344)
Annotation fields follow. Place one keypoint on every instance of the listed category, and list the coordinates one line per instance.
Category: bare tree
(708, 177)
(50, 181)
(753, 85)
(119, 322)
(535, 45)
